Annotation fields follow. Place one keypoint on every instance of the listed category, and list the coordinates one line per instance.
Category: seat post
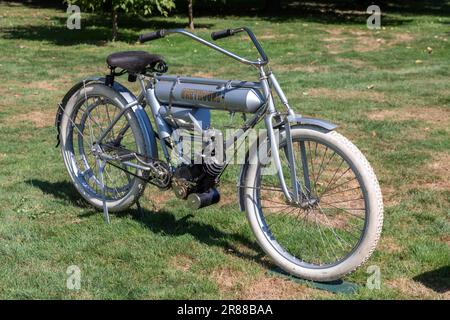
(109, 79)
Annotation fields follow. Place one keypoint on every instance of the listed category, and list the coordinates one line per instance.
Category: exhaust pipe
(201, 200)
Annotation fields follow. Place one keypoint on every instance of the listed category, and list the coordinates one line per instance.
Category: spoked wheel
(88, 113)
(334, 225)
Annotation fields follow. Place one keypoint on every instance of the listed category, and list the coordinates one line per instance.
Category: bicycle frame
(267, 112)
(180, 108)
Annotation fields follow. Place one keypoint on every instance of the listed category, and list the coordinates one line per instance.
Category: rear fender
(141, 115)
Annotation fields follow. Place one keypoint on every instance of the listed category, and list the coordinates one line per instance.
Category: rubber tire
(374, 222)
(138, 186)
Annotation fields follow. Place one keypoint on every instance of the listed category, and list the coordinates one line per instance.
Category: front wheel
(336, 224)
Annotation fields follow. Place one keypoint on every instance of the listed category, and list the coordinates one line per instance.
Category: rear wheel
(87, 114)
(333, 232)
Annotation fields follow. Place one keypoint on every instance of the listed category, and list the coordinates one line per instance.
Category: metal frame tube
(276, 154)
(265, 81)
(270, 131)
(280, 93)
(291, 158)
(161, 126)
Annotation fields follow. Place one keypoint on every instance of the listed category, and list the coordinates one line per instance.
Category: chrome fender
(141, 115)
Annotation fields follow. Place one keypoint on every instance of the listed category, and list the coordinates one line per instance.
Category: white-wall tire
(374, 211)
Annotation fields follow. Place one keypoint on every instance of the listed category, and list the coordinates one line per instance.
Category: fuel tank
(227, 95)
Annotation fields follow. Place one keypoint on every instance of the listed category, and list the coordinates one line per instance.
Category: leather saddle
(136, 61)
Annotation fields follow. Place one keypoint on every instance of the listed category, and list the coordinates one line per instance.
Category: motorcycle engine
(190, 178)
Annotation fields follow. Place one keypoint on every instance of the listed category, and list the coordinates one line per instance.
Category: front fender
(296, 120)
(299, 120)
(141, 115)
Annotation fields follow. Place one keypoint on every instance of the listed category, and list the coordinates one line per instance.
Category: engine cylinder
(201, 200)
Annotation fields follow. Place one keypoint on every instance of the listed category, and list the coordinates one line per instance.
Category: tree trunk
(114, 24)
(191, 15)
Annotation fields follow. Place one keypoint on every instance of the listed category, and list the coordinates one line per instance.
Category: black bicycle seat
(134, 61)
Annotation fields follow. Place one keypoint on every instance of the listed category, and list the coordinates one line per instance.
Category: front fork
(297, 195)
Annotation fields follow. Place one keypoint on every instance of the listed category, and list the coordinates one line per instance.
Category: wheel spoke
(343, 201)
(88, 120)
(323, 233)
(339, 185)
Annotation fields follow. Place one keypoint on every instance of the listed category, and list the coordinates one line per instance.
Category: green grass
(170, 252)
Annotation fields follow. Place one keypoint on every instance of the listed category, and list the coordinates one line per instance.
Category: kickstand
(101, 167)
(139, 209)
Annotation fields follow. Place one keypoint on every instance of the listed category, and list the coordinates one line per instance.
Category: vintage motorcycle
(312, 199)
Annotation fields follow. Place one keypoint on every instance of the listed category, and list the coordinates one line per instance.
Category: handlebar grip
(152, 36)
(221, 34)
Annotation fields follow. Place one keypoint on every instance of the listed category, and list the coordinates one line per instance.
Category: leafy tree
(141, 7)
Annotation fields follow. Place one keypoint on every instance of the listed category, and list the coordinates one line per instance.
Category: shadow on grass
(437, 280)
(163, 222)
(47, 4)
(95, 29)
(329, 12)
(63, 190)
(60, 35)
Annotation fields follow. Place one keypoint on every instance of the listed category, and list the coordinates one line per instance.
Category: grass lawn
(387, 92)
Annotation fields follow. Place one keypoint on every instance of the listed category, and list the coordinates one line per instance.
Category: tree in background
(191, 9)
(191, 14)
(141, 7)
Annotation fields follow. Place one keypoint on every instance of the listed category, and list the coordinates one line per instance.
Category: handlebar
(222, 34)
(215, 36)
(152, 36)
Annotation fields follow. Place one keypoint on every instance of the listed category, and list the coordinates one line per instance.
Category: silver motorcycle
(312, 199)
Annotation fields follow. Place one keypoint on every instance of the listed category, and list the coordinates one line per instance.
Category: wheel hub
(96, 150)
(306, 202)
